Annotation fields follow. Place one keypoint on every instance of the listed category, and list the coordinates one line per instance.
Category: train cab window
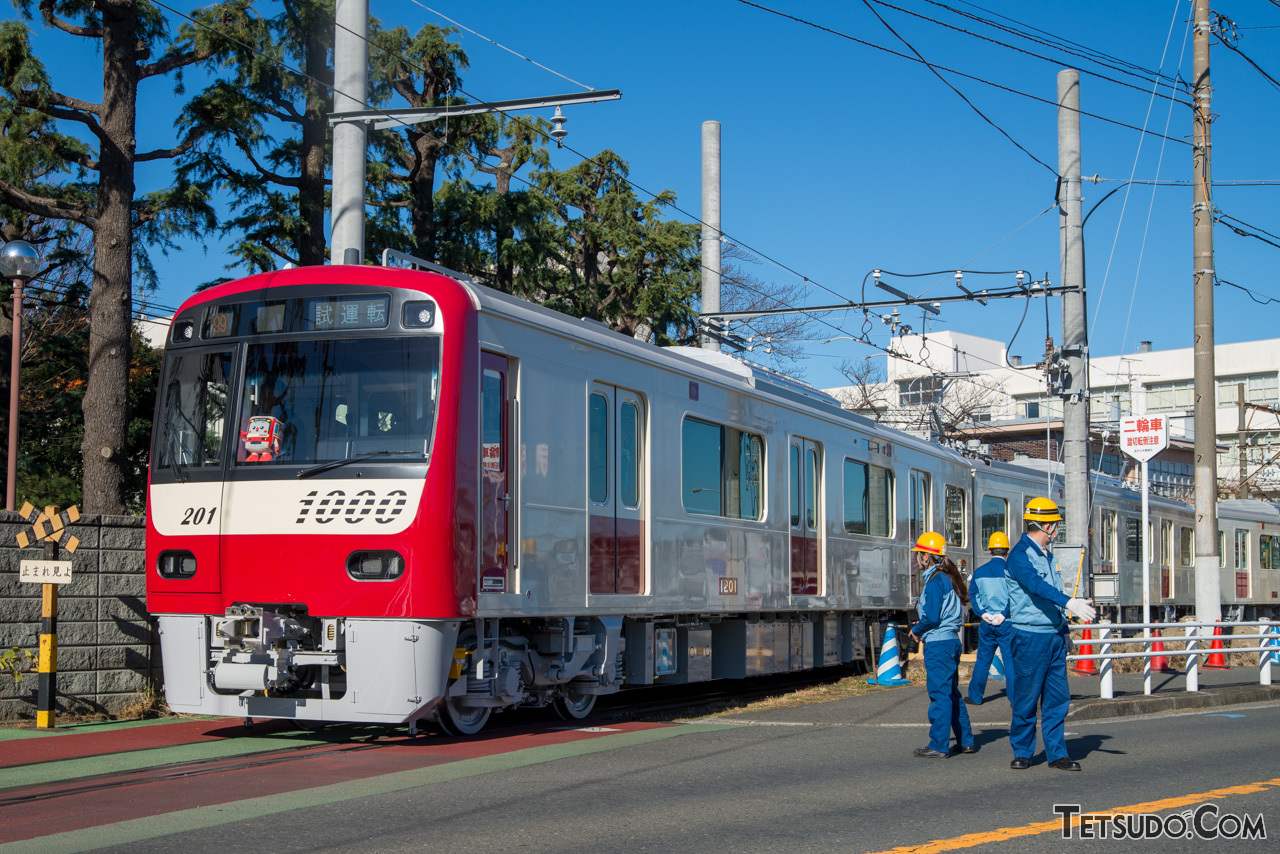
(995, 517)
(323, 400)
(868, 499)
(598, 448)
(721, 470)
(954, 527)
(1186, 546)
(193, 425)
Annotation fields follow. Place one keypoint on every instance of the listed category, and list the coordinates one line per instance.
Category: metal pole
(15, 373)
(710, 224)
(1208, 597)
(350, 138)
(1075, 405)
(1146, 576)
(1243, 440)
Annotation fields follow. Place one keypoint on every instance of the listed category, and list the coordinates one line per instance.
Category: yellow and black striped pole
(47, 683)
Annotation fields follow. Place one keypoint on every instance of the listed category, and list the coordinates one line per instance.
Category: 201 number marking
(198, 515)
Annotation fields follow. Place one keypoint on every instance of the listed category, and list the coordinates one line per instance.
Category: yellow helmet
(931, 543)
(999, 540)
(1041, 510)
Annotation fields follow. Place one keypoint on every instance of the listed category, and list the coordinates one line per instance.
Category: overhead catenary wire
(947, 69)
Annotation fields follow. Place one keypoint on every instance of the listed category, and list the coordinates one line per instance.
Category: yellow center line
(971, 840)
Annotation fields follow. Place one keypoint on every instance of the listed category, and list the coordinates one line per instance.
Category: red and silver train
(389, 495)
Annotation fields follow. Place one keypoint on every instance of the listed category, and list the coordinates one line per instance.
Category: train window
(1222, 549)
(955, 516)
(1242, 548)
(1107, 537)
(995, 517)
(794, 469)
(811, 491)
(193, 426)
(598, 448)
(744, 461)
(868, 499)
(721, 470)
(1133, 540)
(1266, 546)
(1186, 546)
(921, 502)
(629, 468)
(323, 400)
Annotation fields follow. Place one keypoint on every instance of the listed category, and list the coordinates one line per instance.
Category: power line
(963, 97)
(1024, 51)
(962, 74)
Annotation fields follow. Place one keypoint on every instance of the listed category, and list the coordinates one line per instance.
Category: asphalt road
(823, 778)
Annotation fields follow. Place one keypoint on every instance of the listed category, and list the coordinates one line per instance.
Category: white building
(971, 382)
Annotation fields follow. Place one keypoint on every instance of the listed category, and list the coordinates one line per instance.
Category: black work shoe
(972, 702)
(928, 753)
(957, 750)
(1020, 763)
(1065, 764)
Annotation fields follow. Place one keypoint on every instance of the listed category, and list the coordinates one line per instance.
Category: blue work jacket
(989, 588)
(939, 608)
(1036, 599)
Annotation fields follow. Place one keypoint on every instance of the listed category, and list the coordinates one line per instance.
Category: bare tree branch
(41, 206)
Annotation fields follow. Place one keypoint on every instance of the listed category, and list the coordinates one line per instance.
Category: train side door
(495, 499)
(919, 520)
(805, 463)
(615, 490)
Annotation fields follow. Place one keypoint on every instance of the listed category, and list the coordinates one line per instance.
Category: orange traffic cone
(1217, 661)
(1159, 663)
(1086, 667)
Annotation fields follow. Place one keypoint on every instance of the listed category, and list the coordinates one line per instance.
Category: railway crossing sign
(1142, 437)
(51, 528)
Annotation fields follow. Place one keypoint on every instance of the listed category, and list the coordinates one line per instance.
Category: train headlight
(419, 314)
(375, 566)
(176, 564)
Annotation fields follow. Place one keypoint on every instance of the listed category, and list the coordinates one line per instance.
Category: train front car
(310, 543)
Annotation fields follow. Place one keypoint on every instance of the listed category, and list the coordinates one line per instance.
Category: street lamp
(19, 261)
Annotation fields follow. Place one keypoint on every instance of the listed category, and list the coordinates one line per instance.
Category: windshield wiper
(333, 464)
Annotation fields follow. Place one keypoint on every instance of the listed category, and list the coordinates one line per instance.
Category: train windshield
(315, 401)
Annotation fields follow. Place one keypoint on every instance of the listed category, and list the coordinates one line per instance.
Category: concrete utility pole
(710, 224)
(1208, 597)
(350, 138)
(1075, 344)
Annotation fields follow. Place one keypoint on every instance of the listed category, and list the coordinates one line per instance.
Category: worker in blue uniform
(941, 610)
(989, 590)
(1040, 640)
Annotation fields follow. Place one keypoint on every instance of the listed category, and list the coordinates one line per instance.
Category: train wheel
(574, 705)
(462, 720)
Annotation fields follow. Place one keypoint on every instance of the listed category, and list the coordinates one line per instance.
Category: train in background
(390, 495)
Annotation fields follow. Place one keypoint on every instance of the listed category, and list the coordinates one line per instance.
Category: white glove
(994, 619)
(986, 618)
(1083, 609)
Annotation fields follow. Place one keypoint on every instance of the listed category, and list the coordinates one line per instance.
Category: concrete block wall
(108, 649)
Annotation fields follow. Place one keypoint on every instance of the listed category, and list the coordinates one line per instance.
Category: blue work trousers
(1040, 667)
(990, 637)
(947, 713)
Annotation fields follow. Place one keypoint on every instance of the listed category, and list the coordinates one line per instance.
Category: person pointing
(1039, 640)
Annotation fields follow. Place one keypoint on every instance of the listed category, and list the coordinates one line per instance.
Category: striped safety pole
(47, 667)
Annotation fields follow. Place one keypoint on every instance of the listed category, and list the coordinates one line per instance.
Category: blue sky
(839, 158)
